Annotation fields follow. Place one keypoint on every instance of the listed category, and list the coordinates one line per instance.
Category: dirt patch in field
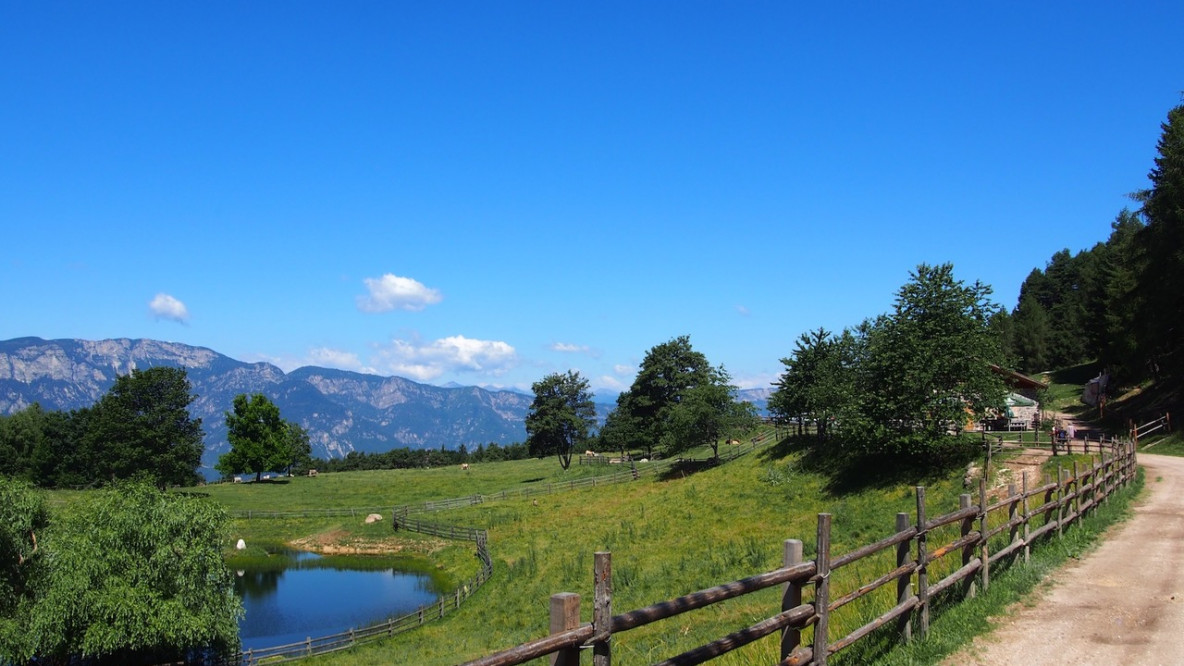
(342, 542)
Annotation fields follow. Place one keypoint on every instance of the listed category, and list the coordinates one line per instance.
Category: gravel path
(1122, 604)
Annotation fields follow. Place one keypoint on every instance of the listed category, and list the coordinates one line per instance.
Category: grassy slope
(667, 538)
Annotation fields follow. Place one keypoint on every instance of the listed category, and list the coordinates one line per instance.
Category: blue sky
(487, 192)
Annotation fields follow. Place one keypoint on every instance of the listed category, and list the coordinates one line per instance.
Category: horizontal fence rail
(979, 535)
(402, 520)
(1163, 423)
(629, 472)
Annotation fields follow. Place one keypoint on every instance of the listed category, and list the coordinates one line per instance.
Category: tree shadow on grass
(850, 470)
(683, 468)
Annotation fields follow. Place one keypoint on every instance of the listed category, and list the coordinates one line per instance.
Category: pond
(296, 595)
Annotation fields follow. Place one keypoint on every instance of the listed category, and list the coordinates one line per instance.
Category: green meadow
(669, 535)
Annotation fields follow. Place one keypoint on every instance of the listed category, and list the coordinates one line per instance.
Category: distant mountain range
(342, 411)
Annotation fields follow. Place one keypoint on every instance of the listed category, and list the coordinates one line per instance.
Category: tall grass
(667, 538)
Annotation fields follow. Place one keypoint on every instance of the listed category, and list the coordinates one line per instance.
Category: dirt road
(1121, 604)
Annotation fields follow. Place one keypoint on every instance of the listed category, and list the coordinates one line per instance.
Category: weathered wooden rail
(628, 472)
(1163, 423)
(987, 534)
(1084, 443)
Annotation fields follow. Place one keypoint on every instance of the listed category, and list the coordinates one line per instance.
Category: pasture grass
(382, 489)
(667, 538)
(1168, 445)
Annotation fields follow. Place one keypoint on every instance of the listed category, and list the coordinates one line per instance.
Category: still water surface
(310, 599)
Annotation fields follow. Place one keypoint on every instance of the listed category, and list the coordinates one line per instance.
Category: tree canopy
(1120, 302)
(260, 440)
(706, 413)
(561, 416)
(652, 412)
(141, 427)
(23, 519)
(131, 575)
(931, 359)
(902, 381)
(820, 381)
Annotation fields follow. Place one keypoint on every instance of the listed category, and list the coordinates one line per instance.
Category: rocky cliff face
(343, 411)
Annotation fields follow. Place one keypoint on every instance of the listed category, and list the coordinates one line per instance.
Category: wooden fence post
(1049, 505)
(984, 551)
(1062, 484)
(791, 597)
(904, 584)
(1027, 521)
(967, 550)
(602, 610)
(565, 614)
(1106, 468)
(822, 590)
(1011, 511)
(1076, 492)
(922, 566)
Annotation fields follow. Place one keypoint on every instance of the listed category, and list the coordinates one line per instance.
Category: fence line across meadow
(988, 534)
(631, 472)
(402, 520)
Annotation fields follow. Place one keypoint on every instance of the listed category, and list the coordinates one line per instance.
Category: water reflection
(298, 595)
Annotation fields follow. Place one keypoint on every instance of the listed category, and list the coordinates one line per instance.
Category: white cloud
(762, 381)
(569, 348)
(335, 358)
(624, 370)
(391, 292)
(743, 311)
(164, 306)
(427, 361)
(608, 382)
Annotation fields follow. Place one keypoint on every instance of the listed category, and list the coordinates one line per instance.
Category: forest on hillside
(1120, 302)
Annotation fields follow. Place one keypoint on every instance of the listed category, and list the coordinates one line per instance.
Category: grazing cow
(238, 479)
(312, 472)
(464, 466)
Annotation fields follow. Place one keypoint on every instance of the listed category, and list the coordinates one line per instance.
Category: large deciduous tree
(561, 417)
(142, 426)
(259, 438)
(667, 372)
(821, 380)
(705, 413)
(930, 359)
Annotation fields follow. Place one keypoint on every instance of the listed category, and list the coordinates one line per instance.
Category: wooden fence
(629, 473)
(987, 534)
(1163, 423)
(1084, 443)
